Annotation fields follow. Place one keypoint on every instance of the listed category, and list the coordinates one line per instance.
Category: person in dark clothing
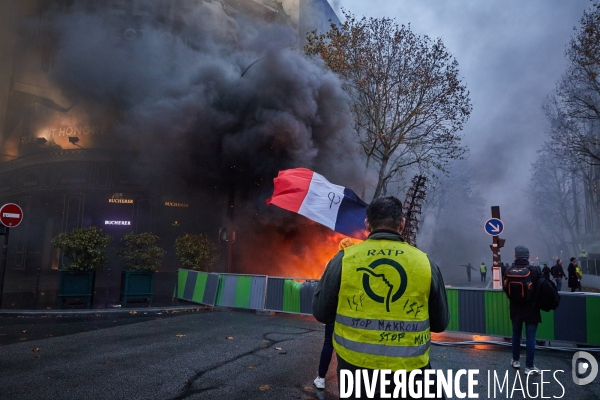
(546, 271)
(469, 268)
(327, 350)
(558, 273)
(528, 314)
(573, 279)
(343, 297)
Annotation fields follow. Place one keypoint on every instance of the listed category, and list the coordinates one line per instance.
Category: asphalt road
(214, 355)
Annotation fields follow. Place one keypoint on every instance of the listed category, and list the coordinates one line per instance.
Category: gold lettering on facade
(172, 204)
(121, 201)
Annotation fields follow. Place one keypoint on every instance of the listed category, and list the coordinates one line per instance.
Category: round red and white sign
(11, 215)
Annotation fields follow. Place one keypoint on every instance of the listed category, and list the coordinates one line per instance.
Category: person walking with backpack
(519, 282)
(483, 270)
(558, 273)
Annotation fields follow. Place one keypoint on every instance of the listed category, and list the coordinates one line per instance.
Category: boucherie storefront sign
(123, 223)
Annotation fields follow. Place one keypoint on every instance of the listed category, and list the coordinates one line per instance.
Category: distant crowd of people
(556, 273)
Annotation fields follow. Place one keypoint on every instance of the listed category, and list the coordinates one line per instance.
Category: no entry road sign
(494, 226)
(11, 215)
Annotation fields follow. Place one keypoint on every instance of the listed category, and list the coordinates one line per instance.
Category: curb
(116, 310)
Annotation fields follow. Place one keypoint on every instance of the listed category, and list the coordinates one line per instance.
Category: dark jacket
(558, 271)
(325, 300)
(527, 312)
(546, 272)
(573, 280)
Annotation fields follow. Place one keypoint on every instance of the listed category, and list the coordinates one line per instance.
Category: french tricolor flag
(307, 193)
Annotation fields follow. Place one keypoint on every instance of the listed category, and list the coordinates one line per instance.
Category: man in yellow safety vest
(384, 295)
(483, 270)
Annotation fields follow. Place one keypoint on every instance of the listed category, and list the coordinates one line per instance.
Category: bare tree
(553, 198)
(574, 110)
(574, 115)
(408, 101)
(575, 141)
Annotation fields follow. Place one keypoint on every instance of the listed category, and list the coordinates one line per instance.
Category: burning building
(163, 116)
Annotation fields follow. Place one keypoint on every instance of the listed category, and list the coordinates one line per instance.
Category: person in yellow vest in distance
(327, 350)
(385, 298)
(483, 270)
(579, 274)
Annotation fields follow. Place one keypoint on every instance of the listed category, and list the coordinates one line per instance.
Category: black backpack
(547, 297)
(517, 284)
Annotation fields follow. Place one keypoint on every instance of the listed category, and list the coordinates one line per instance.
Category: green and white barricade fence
(242, 291)
(486, 312)
(293, 295)
(474, 311)
(197, 286)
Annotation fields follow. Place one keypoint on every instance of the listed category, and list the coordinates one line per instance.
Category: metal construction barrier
(242, 291)
(292, 295)
(476, 311)
(198, 287)
(486, 312)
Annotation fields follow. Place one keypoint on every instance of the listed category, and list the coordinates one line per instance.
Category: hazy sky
(510, 54)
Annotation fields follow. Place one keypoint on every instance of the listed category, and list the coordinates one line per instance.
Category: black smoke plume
(210, 100)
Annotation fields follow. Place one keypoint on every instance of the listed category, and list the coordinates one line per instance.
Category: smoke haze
(176, 93)
(510, 54)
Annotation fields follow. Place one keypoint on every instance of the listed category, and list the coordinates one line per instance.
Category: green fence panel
(181, 279)
(242, 291)
(199, 288)
(452, 295)
(291, 296)
(220, 290)
(545, 330)
(592, 311)
(497, 314)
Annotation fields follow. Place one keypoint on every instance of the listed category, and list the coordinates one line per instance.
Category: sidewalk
(93, 311)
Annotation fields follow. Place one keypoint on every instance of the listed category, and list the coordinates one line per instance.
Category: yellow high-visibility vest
(382, 317)
(482, 268)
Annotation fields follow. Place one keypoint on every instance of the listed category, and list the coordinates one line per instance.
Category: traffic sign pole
(497, 244)
(11, 215)
(3, 265)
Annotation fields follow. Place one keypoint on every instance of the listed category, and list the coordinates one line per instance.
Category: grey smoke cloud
(182, 100)
(174, 91)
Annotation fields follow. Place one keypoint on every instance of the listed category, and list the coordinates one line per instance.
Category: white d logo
(583, 367)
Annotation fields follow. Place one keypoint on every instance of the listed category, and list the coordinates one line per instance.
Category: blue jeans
(558, 283)
(327, 351)
(530, 330)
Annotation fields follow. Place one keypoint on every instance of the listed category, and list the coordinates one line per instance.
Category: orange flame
(301, 254)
